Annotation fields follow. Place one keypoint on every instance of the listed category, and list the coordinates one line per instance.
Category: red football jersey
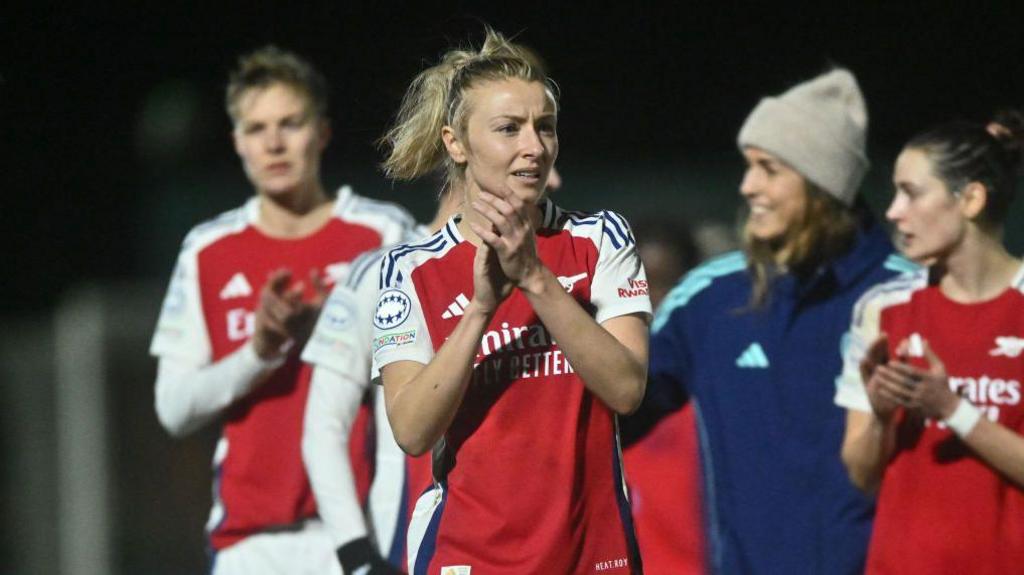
(529, 474)
(208, 313)
(941, 509)
(663, 473)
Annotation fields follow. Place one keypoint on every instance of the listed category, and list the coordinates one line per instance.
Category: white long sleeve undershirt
(189, 396)
(331, 410)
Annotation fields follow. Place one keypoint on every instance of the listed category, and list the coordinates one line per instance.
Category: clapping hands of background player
(283, 317)
(893, 383)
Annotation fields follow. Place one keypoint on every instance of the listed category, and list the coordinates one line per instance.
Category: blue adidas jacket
(776, 495)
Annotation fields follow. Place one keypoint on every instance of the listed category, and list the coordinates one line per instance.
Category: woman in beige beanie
(754, 337)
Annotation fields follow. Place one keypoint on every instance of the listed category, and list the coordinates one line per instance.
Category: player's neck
(294, 215)
(978, 271)
(450, 203)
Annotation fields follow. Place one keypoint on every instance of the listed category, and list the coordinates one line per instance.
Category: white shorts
(305, 551)
(426, 507)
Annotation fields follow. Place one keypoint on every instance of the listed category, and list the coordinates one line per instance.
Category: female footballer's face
(280, 139)
(776, 195)
(928, 218)
(510, 141)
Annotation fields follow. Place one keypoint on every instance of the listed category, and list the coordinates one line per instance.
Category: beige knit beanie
(817, 127)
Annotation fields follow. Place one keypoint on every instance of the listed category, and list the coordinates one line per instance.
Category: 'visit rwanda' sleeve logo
(393, 308)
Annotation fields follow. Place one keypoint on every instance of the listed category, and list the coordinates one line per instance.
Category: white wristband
(964, 418)
(257, 363)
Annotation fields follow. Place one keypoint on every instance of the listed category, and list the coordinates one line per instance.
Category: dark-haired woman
(932, 379)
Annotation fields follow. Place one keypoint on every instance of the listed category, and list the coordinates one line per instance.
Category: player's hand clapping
(875, 374)
(926, 391)
(510, 235)
(284, 318)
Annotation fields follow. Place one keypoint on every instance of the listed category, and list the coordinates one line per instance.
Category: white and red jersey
(941, 509)
(208, 313)
(529, 473)
(341, 343)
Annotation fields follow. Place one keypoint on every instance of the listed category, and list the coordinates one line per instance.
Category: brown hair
(271, 65)
(827, 229)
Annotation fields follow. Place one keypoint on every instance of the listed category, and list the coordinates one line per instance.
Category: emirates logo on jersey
(989, 394)
(240, 324)
(518, 352)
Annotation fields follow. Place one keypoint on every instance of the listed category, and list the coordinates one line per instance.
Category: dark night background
(645, 87)
(117, 143)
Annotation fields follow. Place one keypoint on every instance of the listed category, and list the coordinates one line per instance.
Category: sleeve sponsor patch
(392, 340)
(393, 308)
(634, 288)
(174, 302)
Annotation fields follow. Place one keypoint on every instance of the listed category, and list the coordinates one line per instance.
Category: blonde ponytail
(436, 98)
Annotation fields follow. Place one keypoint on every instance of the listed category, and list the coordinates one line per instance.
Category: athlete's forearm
(422, 400)
(999, 447)
(188, 396)
(331, 410)
(867, 446)
(611, 361)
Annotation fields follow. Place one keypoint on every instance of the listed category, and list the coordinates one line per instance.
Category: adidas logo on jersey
(1008, 346)
(752, 357)
(457, 307)
(237, 286)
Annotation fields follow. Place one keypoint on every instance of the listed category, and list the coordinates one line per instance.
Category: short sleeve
(620, 282)
(181, 329)
(399, 327)
(340, 340)
(864, 330)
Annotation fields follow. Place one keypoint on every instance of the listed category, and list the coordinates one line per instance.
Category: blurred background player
(754, 339)
(242, 301)
(932, 378)
(528, 478)
(663, 470)
(340, 351)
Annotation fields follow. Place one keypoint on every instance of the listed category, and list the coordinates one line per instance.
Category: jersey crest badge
(569, 281)
(338, 314)
(1008, 346)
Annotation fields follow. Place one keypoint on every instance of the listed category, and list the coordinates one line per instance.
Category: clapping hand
(283, 317)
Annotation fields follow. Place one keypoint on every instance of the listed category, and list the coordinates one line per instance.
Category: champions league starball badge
(393, 308)
(338, 314)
